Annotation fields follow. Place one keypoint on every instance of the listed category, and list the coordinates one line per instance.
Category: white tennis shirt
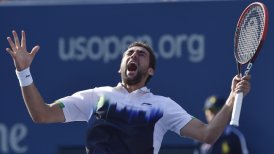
(119, 107)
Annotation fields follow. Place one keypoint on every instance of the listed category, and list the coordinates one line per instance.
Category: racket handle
(236, 109)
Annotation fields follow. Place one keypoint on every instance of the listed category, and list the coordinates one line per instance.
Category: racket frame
(239, 96)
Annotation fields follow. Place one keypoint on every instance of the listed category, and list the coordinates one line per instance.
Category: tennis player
(127, 118)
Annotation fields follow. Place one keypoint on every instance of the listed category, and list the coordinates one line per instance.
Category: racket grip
(236, 109)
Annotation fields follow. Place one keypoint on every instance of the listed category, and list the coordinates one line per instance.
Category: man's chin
(132, 77)
(131, 74)
(132, 81)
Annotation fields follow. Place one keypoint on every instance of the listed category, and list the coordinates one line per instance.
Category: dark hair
(152, 58)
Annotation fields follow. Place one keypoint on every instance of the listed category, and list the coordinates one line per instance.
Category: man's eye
(129, 53)
(142, 54)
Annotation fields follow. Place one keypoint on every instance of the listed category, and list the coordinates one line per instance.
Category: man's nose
(134, 55)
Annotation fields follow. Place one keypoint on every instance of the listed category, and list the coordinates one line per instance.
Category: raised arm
(39, 111)
(209, 133)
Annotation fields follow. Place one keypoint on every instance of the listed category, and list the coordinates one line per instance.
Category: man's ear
(151, 71)
(119, 71)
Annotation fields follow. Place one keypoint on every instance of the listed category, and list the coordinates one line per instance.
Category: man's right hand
(21, 57)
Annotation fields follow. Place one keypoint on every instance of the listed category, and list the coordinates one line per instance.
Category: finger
(12, 45)
(239, 89)
(9, 51)
(239, 76)
(245, 81)
(246, 90)
(23, 40)
(246, 77)
(34, 50)
(236, 79)
(243, 84)
(16, 39)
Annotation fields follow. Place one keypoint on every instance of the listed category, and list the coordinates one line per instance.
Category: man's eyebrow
(142, 51)
(138, 50)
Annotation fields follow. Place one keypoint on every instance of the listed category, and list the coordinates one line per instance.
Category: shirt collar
(143, 89)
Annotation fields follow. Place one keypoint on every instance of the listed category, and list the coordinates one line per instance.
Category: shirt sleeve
(175, 117)
(79, 106)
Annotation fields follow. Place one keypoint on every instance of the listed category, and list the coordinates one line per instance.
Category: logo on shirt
(127, 112)
(147, 104)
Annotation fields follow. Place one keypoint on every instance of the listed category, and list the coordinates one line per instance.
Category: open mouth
(132, 66)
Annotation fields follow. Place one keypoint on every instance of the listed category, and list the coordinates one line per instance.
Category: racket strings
(249, 34)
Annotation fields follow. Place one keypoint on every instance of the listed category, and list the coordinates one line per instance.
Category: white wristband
(24, 77)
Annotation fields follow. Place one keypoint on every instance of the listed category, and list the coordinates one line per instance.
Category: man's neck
(131, 88)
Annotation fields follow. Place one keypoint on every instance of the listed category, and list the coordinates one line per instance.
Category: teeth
(132, 62)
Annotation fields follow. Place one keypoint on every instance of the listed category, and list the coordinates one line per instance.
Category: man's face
(135, 65)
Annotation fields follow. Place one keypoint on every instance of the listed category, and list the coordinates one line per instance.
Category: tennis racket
(248, 40)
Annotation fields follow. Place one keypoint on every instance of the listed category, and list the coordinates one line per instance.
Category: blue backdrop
(81, 47)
